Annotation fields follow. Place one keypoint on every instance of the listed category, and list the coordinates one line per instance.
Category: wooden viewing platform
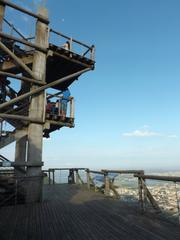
(73, 212)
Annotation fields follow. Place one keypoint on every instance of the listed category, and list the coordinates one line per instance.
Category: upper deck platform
(60, 63)
(70, 212)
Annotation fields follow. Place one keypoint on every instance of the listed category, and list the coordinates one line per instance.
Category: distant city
(167, 194)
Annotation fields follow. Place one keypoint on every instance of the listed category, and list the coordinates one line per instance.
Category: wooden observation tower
(39, 65)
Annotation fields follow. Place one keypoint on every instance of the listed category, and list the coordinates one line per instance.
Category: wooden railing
(27, 41)
(56, 100)
(75, 44)
(86, 177)
(15, 188)
(72, 175)
(143, 194)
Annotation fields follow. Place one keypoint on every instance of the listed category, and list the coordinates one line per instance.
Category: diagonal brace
(16, 59)
(40, 89)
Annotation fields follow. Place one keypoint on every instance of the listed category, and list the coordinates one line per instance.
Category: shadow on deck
(70, 212)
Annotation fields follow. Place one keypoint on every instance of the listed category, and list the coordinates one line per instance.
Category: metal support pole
(36, 110)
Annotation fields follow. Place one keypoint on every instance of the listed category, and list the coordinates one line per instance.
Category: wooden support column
(36, 110)
(20, 154)
(2, 11)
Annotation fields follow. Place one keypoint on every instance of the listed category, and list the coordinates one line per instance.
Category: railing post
(144, 192)
(106, 183)
(71, 176)
(140, 188)
(92, 56)
(72, 108)
(88, 179)
(53, 176)
(70, 44)
(49, 176)
(77, 177)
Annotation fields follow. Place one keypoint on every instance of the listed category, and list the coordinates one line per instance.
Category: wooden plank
(70, 213)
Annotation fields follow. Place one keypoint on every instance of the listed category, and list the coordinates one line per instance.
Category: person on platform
(66, 45)
(64, 101)
(48, 106)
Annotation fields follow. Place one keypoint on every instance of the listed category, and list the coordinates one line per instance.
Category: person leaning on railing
(66, 45)
(63, 103)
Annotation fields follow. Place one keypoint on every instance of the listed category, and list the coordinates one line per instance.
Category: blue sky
(127, 110)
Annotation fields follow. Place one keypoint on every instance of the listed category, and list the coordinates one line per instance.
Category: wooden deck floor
(69, 213)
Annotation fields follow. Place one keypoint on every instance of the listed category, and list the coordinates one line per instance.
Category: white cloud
(141, 133)
(173, 136)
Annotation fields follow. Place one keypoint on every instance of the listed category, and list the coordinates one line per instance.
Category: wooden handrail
(157, 177)
(21, 9)
(70, 39)
(124, 171)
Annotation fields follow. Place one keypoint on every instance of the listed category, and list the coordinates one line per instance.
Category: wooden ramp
(70, 213)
